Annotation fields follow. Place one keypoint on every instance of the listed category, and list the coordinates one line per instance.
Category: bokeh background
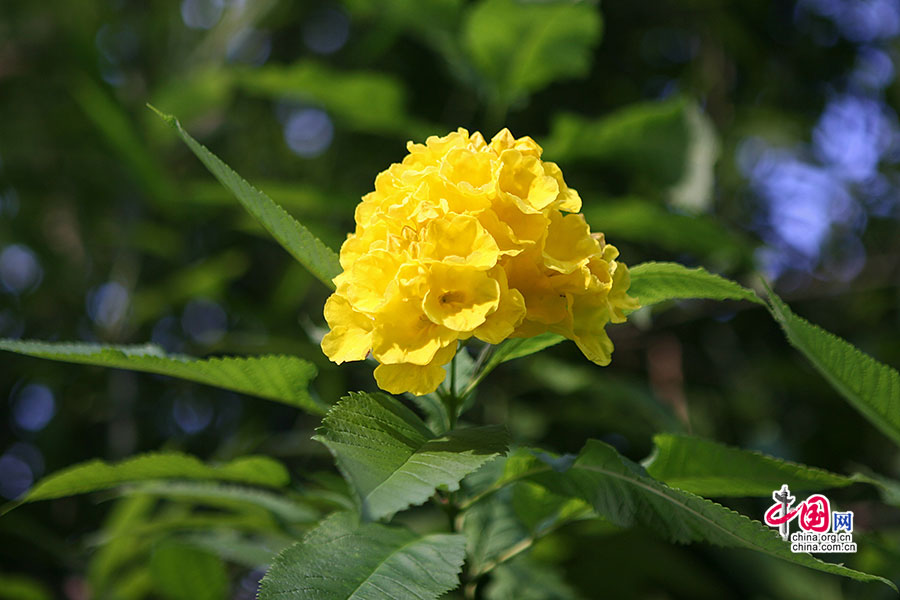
(754, 138)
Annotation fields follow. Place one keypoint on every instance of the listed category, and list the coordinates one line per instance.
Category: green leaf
(117, 128)
(294, 237)
(514, 516)
(184, 572)
(368, 101)
(298, 197)
(426, 15)
(97, 475)
(274, 377)
(694, 190)
(638, 220)
(392, 460)
(623, 493)
(437, 416)
(340, 559)
(524, 578)
(509, 350)
(20, 587)
(655, 282)
(443, 406)
(252, 552)
(650, 141)
(178, 520)
(626, 404)
(511, 520)
(229, 497)
(541, 510)
(491, 528)
(110, 560)
(888, 488)
(871, 387)
(135, 583)
(708, 468)
(514, 348)
(520, 47)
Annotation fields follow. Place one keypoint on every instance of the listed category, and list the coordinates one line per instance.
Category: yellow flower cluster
(468, 238)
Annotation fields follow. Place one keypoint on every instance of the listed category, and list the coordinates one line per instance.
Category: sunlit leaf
(655, 282)
(708, 468)
(321, 260)
(392, 460)
(342, 560)
(622, 492)
(97, 475)
(520, 47)
(871, 387)
(274, 377)
(647, 140)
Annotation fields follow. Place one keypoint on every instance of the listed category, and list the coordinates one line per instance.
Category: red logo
(813, 514)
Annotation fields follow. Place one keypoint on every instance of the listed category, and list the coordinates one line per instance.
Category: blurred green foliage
(119, 235)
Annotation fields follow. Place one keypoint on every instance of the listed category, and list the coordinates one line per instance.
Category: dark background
(111, 231)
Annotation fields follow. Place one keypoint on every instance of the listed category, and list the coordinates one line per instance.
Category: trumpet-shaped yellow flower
(467, 238)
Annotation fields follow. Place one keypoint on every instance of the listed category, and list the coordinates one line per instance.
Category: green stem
(452, 400)
(447, 502)
(502, 484)
(453, 376)
(525, 544)
(507, 554)
(479, 373)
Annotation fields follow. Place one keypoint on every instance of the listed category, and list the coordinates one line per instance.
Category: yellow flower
(468, 238)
